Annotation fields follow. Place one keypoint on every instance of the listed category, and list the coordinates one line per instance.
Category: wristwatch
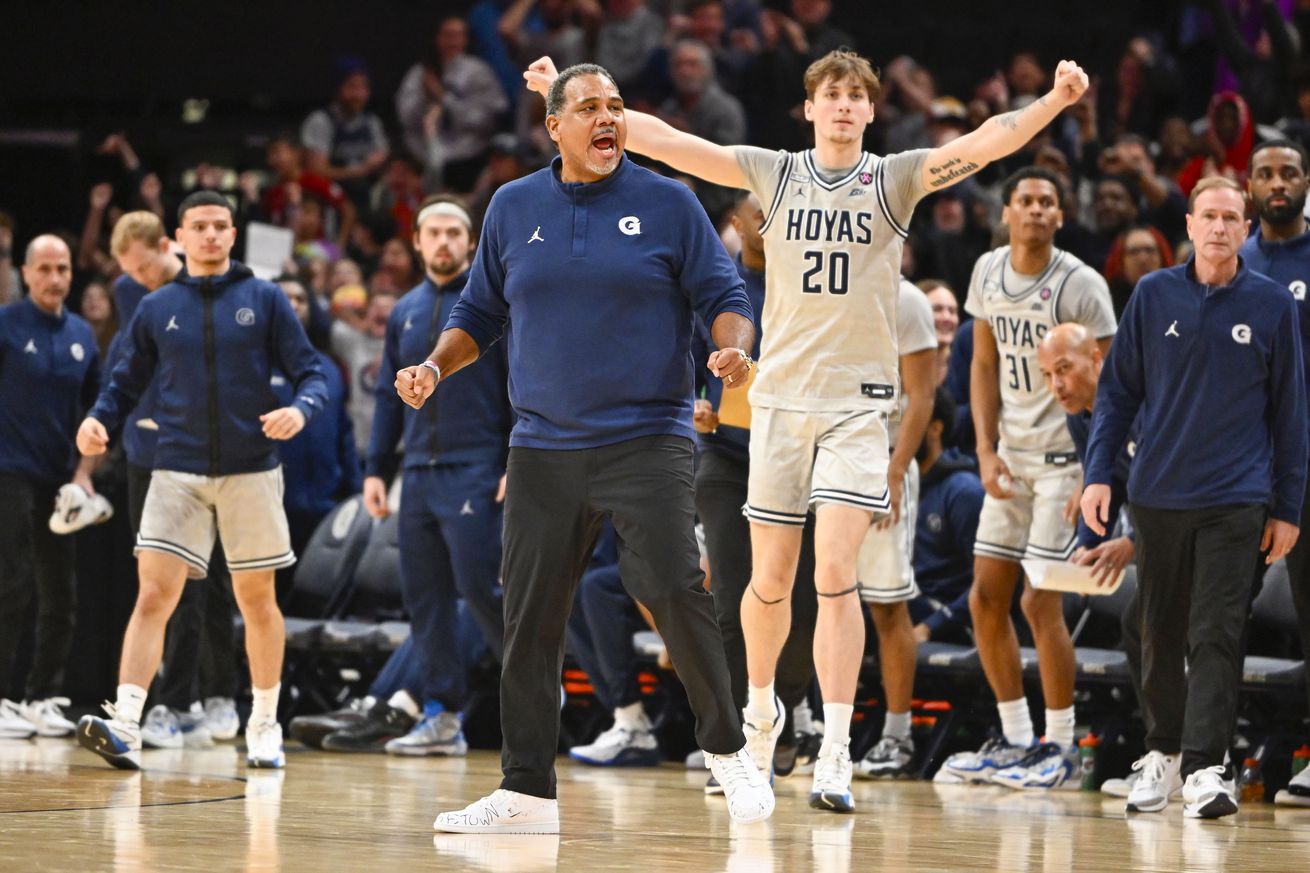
(745, 356)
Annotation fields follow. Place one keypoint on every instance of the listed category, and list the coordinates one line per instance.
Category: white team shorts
(185, 511)
(883, 568)
(1031, 523)
(803, 458)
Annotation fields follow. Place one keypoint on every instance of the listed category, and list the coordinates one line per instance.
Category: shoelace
(110, 710)
(735, 769)
(1217, 771)
(1151, 766)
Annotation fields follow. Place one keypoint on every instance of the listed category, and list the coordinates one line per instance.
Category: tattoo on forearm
(1010, 120)
(955, 168)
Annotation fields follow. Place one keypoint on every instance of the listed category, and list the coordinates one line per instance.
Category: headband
(445, 207)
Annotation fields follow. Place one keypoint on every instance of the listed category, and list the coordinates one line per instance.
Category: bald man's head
(48, 272)
(1070, 361)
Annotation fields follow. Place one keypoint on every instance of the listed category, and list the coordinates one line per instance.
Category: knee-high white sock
(1016, 722)
(836, 725)
(130, 702)
(264, 708)
(1060, 726)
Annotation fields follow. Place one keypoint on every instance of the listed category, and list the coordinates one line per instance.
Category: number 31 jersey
(832, 246)
(1021, 309)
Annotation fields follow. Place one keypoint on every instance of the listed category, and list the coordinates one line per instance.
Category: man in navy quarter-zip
(593, 266)
(49, 375)
(1280, 248)
(1209, 354)
(210, 339)
(450, 502)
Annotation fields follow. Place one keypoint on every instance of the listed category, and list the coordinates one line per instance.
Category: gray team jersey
(833, 247)
(915, 332)
(1020, 310)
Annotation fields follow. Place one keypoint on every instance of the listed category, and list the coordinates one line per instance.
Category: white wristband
(433, 367)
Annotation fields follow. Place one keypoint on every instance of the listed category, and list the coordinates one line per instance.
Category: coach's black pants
(720, 496)
(200, 648)
(34, 564)
(554, 503)
(1194, 578)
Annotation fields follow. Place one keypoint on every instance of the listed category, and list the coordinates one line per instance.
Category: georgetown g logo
(630, 225)
(1242, 334)
(245, 316)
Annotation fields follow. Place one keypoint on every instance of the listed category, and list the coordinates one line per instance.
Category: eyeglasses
(1141, 250)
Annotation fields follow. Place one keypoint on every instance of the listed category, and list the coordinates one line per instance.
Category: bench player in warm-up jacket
(835, 222)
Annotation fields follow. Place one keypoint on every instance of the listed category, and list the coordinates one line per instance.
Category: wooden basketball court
(62, 809)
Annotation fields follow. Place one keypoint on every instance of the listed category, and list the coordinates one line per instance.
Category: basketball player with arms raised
(836, 219)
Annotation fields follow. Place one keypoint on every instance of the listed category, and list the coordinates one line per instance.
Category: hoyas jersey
(1021, 310)
(833, 249)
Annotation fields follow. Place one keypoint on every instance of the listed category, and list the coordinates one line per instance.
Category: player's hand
(996, 476)
(540, 74)
(375, 497)
(733, 366)
(500, 489)
(1071, 507)
(703, 416)
(1278, 539)
(922, 633)
(92, 438)
(415, 385)
(284, 423)
(1107, 559)
(1070, 83)
(895, 495)
(1096, 507)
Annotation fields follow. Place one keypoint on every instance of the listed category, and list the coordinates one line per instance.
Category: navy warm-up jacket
(597, 282)
(1216, 373)
(212, 345)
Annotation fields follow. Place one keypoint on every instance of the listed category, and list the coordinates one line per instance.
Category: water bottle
(1300, 759)
(1087, 747)
(1252, 781)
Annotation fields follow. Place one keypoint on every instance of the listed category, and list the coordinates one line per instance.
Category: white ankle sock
(405, 702)
(632, 717)
(1016, 722)
(264, 708)
(1059, 726)
(897, 725)
(802, 718)
(836, 725)
(759, 703)
(131, 701)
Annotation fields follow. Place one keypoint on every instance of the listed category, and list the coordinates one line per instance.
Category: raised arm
(1002, 134)
(649, 136)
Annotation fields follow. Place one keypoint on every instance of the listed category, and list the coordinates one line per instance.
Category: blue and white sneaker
(621, 746)
(118, 742)
(438, 734)
(264, 745)
(831, 790)
(995, 755)
(1047, 767)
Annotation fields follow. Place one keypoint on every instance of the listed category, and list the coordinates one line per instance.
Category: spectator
(1137, 251)
(1025, 79)
(97, 309)
(532, 28)
(397, 263)
(101, 214)
(464, 94)
(950, 501)
(626, 38)
(733, 47)
(1176, 147)
(398, 194)
(344, 142)
(344, 272)
(49, 374)
(1162, 204)
(914, 89)
(311, 232)
(1225, 145)
(360, 350)
(699, 104)
(1114, 206)
(1144, 89)
(11, 288)
(279, 203)
(1266, 69)
(320, 465)
(945, 319)
(949, 243)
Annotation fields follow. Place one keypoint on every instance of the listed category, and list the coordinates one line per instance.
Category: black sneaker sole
(831, 802)
(94, 737)
(1218, 807)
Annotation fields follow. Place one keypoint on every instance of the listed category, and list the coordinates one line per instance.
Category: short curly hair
(555, 96)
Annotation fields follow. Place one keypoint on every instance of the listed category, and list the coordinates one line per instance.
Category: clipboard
(735, 405)
(1063, 576)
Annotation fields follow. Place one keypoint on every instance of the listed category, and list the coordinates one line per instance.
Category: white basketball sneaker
(1158, 778)
(762, 737)
(502, 812)
(747, 790)
(264, 744)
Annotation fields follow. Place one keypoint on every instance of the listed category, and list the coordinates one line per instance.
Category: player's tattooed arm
(1002, 134)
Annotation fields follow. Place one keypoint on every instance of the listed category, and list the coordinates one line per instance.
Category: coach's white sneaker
(502, 812)
(1157, 778)
(47, 717)
(747, 790)
(264, 745)
(762, 737)
(1206, 794)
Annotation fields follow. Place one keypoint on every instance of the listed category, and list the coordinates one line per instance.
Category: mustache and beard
(1283, 213)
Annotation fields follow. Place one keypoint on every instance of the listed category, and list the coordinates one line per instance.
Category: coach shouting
(596, 265)
(1210, 353)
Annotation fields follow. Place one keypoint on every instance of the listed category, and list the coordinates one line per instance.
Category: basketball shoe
(312, 729)
(48, 718)
(14, 723)
(1157, 779)
(995, 755)
(621, 746)
(890, 758)
(505, 812)
(1297, 792)
(747, 790)
(832, 780)
(1047, 766)
(383, 724)
(439, 734)
(118, 742)
(762, 737)
(1206, 794)
(264, 744)
(221, 719)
